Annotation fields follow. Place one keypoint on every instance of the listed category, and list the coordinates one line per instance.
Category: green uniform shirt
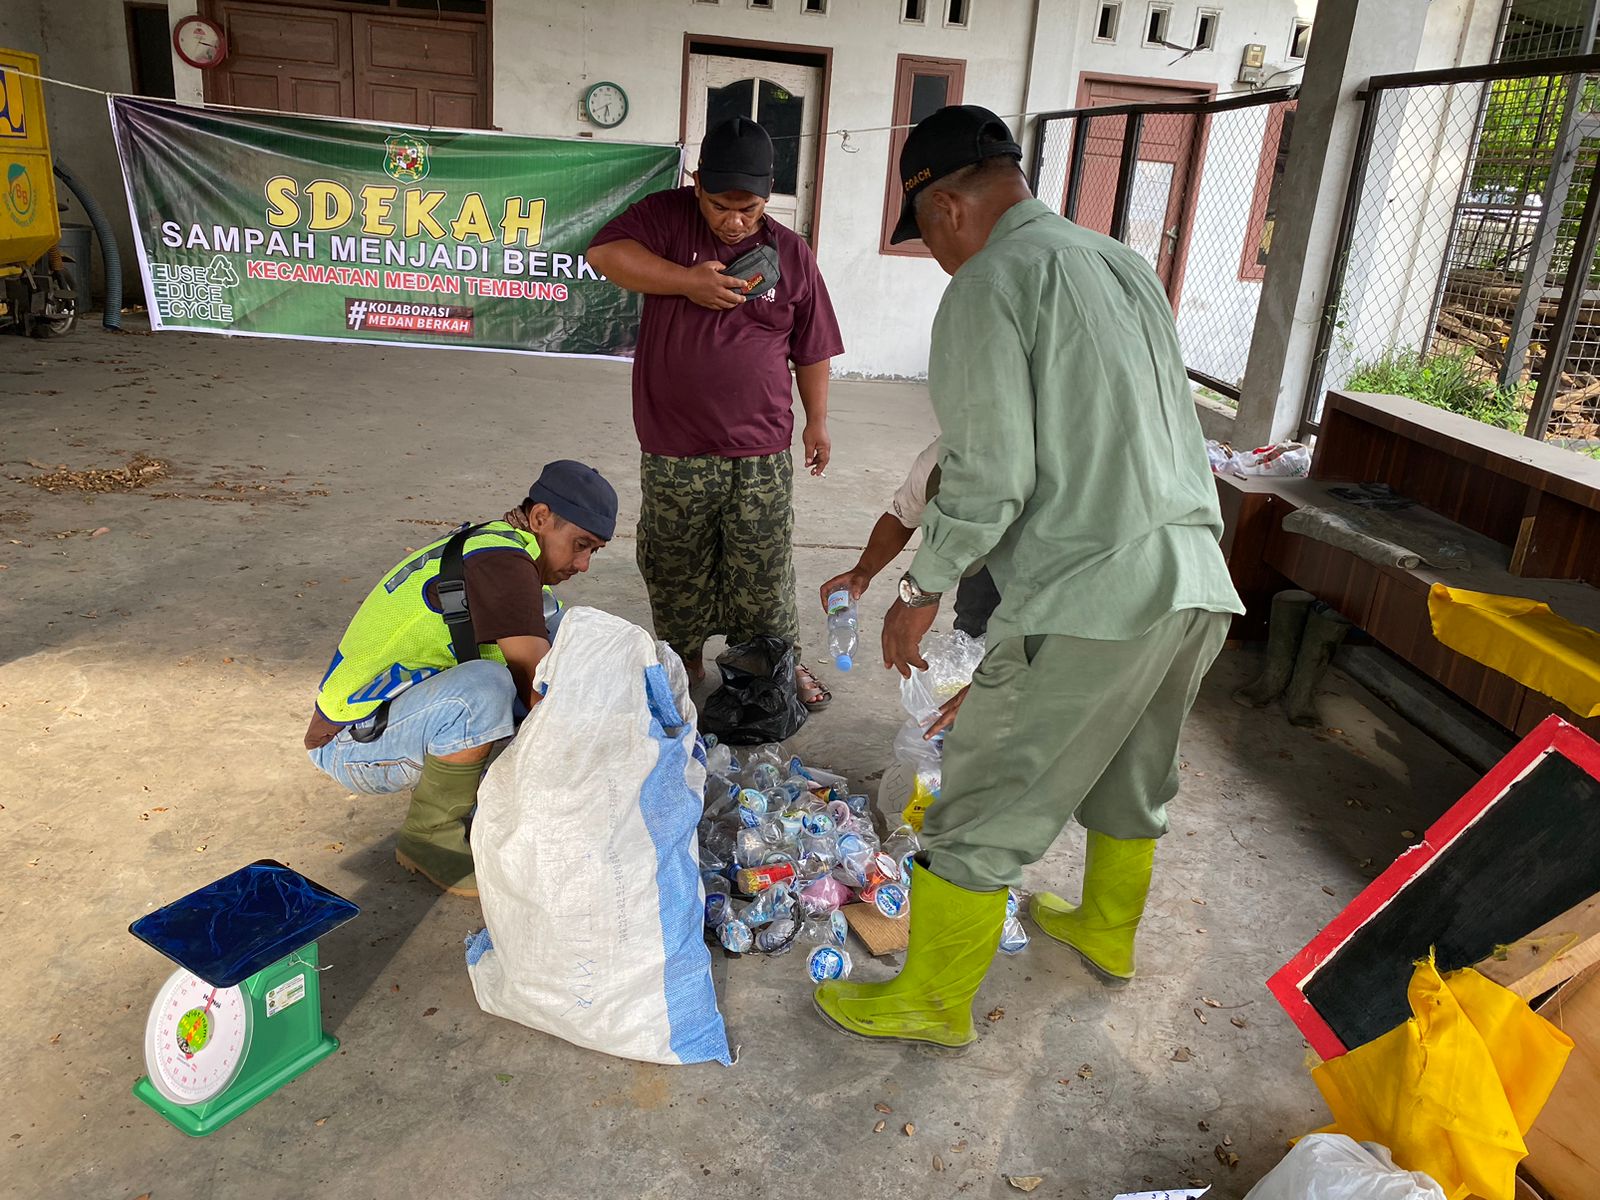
(1071, 455)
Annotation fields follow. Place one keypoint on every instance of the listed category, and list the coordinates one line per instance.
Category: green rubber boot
(433, 841)
(954, 935)
(1116, 883)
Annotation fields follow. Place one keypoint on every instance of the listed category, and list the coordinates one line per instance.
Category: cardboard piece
(1549, 956)
(880, 934)
(1563, 1152)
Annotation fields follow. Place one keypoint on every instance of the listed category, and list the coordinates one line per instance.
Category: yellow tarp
(1452, 1091)
(1523, 639)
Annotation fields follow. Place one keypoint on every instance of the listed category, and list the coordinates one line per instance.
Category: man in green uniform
(438, 663)
(1072, 460)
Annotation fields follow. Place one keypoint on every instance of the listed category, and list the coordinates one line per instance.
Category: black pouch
(757, 701)
(759, 270)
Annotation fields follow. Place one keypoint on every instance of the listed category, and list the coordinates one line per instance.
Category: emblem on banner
(405, 158)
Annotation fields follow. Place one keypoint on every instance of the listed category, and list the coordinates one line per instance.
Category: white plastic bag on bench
(584, 845)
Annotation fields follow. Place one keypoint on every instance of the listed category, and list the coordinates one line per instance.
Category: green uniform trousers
(716, 548)
(1057, 727)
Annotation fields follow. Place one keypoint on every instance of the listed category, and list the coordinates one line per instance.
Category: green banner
(276, 225)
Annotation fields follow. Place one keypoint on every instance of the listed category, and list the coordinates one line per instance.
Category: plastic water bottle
(843, 627)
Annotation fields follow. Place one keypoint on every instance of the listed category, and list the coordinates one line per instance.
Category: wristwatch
(913, 596)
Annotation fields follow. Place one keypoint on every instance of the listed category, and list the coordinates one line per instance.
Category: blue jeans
(471, 705)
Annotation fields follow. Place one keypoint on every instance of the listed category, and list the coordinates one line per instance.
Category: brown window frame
(1256, 223)
(906, 67)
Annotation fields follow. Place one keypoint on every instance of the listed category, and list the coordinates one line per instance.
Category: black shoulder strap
(452, 584)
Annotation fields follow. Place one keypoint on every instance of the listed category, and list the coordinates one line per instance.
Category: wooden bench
(1527, 514)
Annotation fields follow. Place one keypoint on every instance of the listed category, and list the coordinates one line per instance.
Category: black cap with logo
(736, 156)
(946, 141)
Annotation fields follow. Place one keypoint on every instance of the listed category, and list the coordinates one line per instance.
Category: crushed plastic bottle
(828, 962)
(1013, 937)
(735, 936)
(778, 937)
(843, 629)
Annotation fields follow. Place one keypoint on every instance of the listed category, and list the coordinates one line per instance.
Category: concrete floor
(154, 686)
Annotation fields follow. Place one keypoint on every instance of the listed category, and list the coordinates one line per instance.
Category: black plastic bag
(757, 701)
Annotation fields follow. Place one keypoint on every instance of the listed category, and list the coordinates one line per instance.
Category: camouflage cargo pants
(716, 548)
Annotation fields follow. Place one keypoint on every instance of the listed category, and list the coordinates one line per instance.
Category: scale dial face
(196, 1038)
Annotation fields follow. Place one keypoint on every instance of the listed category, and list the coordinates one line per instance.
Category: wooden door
(332, 61)
(1165, 181)
(785, 100)
(411, 71)
(284, 58)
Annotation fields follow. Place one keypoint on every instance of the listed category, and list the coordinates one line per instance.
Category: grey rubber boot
(1325, 629)
(433, 840)
(1289, 612)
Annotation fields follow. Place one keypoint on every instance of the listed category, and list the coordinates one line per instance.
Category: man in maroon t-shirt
(713, 395)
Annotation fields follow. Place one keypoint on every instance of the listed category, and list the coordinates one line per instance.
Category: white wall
(545, 55)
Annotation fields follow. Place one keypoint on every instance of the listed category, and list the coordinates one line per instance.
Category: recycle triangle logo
(222, 273)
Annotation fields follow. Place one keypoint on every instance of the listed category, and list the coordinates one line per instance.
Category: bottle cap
(844, 662)
(891, 900)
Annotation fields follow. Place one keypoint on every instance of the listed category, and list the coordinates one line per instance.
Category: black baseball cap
(736, 156)
(578, 493)
(946, 141)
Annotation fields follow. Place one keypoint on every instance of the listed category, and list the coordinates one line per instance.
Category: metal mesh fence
(1466, 205)
(1193, 188)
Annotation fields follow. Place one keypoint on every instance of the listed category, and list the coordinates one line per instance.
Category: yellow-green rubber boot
(954, 935)
(433, 841)
(1116, 883)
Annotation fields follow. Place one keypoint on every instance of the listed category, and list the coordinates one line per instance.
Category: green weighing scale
(242, 1015)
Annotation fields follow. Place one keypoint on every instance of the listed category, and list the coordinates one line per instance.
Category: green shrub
(1448, 380)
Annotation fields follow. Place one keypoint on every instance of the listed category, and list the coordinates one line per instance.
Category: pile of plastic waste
(783, 847)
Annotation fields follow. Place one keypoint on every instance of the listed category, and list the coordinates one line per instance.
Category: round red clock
(199, 42)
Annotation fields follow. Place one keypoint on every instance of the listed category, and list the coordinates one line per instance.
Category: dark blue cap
(578, 493)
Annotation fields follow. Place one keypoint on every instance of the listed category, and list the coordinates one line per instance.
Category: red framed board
(1518, 850)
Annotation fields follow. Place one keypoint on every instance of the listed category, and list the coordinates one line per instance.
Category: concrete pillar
(1352, 42)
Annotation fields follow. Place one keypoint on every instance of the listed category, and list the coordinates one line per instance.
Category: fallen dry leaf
(878, 1128)
(1086, 1072)
(1205, 1126)
(1327, 889)
(428, 1012)
(960, 1147)
(938, 1163)
(1210, 1003)
(101, 532)
(908, 1129)
(1197, 900)
(1237, 1022)
(320, 1122)
(1024, 1183)
(1227, 1157)
(995, 1014)
(1201, 1015)
(882, 1107)
(1182, 1054)
(56, 1041)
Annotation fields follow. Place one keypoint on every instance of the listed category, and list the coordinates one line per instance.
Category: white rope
(844, 135)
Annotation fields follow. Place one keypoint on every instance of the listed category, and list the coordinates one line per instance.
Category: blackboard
(1518, 850)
